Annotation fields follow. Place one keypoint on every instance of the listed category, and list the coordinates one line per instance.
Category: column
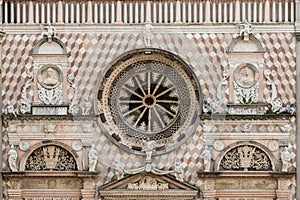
(18, 13)
(237, 16)
(89, 12)
(83, 13)
(1, 156)
(119, 13)
(30, 12)
(107, 11)
(207, 13)
(297, 18)
(267, 11)
(59, 12)
(178, 12)
(297, 7)
(148, 12)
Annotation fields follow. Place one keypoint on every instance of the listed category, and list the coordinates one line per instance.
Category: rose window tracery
(148, 95)
(51, 158)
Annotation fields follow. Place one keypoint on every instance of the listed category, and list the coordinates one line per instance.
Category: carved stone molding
(51, 185)
(50, 127)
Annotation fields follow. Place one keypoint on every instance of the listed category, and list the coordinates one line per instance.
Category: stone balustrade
(140, 12)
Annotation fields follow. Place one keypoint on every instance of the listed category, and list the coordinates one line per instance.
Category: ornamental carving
(147, 183)
(50, 85)
(246, 158)
(50, 158)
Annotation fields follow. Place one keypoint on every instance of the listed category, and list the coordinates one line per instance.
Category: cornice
(237, 174)
(246, 117)
(157, 28)
(29, 117)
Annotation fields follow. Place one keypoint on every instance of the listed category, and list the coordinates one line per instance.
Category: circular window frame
(171, 140)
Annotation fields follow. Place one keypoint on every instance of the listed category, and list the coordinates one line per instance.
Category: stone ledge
(247, 174)
(45, 174)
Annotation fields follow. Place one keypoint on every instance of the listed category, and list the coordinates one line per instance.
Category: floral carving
(51, 158)
(246, 158)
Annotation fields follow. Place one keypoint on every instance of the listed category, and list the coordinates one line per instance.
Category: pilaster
(297, 35)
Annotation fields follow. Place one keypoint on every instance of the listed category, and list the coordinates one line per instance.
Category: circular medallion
(273, 145)
(246, 75)
(24, 145)
(76, 145)
(219, 145)
(49, 76)
(149, 95)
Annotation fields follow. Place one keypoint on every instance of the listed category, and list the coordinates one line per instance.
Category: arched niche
(241, 54)
(43, 46)
(50, 156)
(251, 45)
(246, 156)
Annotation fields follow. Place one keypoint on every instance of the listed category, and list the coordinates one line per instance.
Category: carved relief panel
(51, 158)
(246, 65)
(246, 158)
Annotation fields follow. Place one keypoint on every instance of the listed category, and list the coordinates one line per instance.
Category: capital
(297, 35)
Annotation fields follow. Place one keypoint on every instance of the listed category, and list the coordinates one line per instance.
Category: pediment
(148, 186)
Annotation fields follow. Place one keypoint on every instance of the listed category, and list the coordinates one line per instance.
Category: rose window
(148, 96)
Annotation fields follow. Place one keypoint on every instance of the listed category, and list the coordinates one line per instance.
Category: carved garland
(51, 157)
(246, 158)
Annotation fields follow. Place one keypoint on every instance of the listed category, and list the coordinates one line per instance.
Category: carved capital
(297, 35)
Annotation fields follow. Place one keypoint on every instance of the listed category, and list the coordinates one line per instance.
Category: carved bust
(49, 76)
(246, 75)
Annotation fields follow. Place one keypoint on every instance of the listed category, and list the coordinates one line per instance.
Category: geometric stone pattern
(90, 54)
(205, 53)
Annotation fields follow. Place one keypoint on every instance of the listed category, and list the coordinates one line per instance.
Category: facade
(149, 100)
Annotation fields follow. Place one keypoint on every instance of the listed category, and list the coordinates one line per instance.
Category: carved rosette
(246, 158)
(52, 158)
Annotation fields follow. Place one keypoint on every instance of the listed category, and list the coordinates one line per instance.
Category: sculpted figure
(86, 107)
(50, 79)
(149, 150)
(147, 34)
(12, 159)
(119, 172)
(286, 156)
(92, 158)
(206, 155)
(245, 28)
(178, 171)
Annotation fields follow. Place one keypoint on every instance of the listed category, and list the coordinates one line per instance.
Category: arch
(48, 146)
(56, 44)
(134, 69)
(251, 146)
(252, 45)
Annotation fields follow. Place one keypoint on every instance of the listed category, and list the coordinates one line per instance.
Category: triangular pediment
(148, 186)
